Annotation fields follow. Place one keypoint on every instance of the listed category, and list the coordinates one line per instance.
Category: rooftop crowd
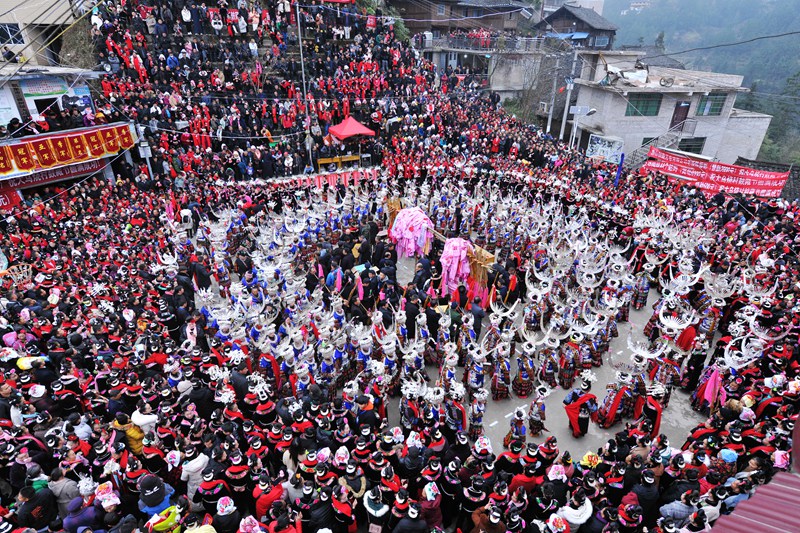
(198, 348)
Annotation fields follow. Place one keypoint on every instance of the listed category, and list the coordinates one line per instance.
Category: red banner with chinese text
(711, 177)
(40, 152)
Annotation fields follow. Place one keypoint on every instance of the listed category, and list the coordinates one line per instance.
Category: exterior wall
(8, 108)
(509, 75)
(726, 136)
(35, 19)
(434, 20)
(743, 137)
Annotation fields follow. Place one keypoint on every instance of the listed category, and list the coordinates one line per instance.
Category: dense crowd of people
(203, 347)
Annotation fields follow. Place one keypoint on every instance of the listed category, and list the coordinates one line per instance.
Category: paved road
(677, 419)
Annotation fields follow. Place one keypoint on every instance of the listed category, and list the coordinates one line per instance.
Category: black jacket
(39, 511)
(411, 525)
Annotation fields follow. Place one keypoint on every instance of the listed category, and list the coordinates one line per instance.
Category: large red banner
(34, 154)
(711, 177)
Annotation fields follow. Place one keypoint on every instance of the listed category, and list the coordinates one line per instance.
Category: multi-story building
(31, 29)
(580, 26)
(639, 105)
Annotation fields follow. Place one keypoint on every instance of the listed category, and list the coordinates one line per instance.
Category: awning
(350, 128)
(578, 35)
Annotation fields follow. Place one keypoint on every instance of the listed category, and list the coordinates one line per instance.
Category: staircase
(668, 139)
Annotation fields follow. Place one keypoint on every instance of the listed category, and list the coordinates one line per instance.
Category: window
(9, 34)
(711, 105)
(694, 145)
(647, 140)
(440, 9)
(601, 41)
(643, 105)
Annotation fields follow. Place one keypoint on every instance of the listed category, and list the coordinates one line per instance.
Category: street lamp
(575, 126)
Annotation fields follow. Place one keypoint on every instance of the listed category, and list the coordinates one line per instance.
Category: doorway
(680, 114)
(45, 103)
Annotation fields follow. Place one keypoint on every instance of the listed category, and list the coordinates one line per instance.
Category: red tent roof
(349, 128)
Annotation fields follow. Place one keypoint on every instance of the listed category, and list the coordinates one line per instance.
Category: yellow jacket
(134, 435)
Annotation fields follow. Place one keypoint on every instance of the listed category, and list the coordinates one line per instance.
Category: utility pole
(305, 89)
(570, 86)
(553, 95)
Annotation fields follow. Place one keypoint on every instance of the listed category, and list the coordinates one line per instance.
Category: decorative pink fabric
(411, 232)
(455, 263)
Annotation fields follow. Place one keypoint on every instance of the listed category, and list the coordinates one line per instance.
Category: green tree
(660, 41)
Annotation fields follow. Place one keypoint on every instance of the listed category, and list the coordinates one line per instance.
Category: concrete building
(551, 6)
(28, 91)
(639, 105)
(26, 27)
(441, 17)
(581, 26)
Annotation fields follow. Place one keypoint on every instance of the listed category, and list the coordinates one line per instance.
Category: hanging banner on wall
(711, 176)
(42, 152)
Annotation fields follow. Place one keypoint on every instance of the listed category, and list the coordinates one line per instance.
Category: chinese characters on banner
(9, 197)
(711, 177)
(47, 151)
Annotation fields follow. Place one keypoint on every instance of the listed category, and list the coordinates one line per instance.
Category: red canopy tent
(350, 128)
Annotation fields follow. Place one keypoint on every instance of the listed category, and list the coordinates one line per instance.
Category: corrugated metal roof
(775, 507)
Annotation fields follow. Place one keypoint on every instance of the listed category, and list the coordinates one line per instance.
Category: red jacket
(264, 500)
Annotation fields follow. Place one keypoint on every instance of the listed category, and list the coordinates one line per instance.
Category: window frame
(707, 105)
(694, 142)
(10, 37)
(644, 108)
(605, 44)
(441, 10)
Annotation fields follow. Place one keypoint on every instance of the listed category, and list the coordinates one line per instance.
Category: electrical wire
(47, 44)
(36, 20)
(112, 160)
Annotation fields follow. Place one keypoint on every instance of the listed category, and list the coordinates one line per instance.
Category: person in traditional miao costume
(222, 273)
(523, 382)
(400, 327)
(611, 408)
(548, 372)
(492, 337)
(476, 413)
(501, 380)
(641, 287)
(424, 337)
(467, 339)
(668, 373)
(392, 366)
(586, 350)
(443, 338)
(448, 373)
(537, 413)
(346, 368)
(454, 411)
(652, 329)
(637, 383)
(476, 372)
(517, 431)
(569, 361)
(532, 316)
(377, 328)
(364, 354)
(327, 369)
(599, 345)
(410, 412)
(709, 322)
(625, 294)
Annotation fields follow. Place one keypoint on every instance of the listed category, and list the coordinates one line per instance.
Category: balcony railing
(483, 44)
